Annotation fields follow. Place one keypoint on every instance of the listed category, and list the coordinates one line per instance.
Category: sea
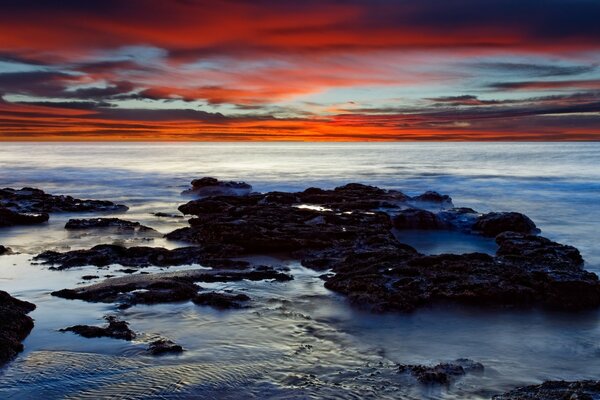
(297, 340)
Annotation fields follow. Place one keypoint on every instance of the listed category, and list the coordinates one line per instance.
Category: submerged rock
(555, 390)
(494, 223)
(221, 300)
(120, 225)
(444, 373)
(167, 215)
(433, 197)
(15, 325)
(414, 218)
(11, 218)
(30, 200)
(115, 329)
(163, 346)
(208, 186)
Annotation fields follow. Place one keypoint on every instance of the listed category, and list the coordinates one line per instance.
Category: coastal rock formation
(5, 250)
(169, 287)
(208, 186)
(555, 390)
(444, 373)
(163, 346)
(15, 325)
(433, 197)
(115, 329)
(221, 300)
(414, 218)
(10, 218)
(118, 224)
(494, 223)
(30, 200)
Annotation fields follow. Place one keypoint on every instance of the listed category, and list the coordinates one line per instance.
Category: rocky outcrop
(207, 186)
(221, 300)
(555, 390)
(120, 225)
(5, 250)
(15, 325)
(115, 329)
(413, 218)
(30, 200)
(441, 374)
(494, 223)
(164, 346)
(11, 218)
(433, 197)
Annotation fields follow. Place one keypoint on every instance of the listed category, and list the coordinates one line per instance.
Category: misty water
(298, 340)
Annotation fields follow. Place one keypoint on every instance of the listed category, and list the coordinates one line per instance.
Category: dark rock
(163, 346)
(128, 270)
(555, 390)
(167, 215)
(444, 373)
(115, 329)
(30, 200)
(119, 224)
(414, 218)
(494, 223)
(207, 186)
(15, 325)
(5, 250)
(89, 277)
(220, 300)
(433, 197)
(11, 218)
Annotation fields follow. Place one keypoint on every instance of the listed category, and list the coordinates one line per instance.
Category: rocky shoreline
(347, 233)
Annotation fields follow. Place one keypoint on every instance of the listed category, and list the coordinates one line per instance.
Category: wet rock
(30, 200)
(167, 215)
(11, 218)
(90, 277)
(444, 373)
(5, 250)
(15, 325)
(120, 225)
(494, 223)
(128, 270)
(115, 329)
(208, 186)
(221, 300)
(414, 218)
(433, 197)
(164, 346)
(107, 254)
(555, 390)
(163, 287)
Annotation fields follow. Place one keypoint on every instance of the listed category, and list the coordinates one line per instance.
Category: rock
(128, 270)
(115, 329)
(11, 218)
(433, 197)
(494, 223)
(207, 187)
(167, 215)
(89, 277)
(163, 287)
(30, 200)
(120, 225)
(414, 218)
(5, 250)
(15, 325)
(220, 300)
(444, 373)
(162, 346)
(555, 390)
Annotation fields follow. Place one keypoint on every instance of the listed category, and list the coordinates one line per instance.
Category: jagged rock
(11, 218)
(208, 186)
(120, 225)
(494, 223)
(162, 346)
(220, 300)
(433, 197)
(115, 329)
(555, 390)
(5, 250)
(444, 373)
(30, 200)
(15, 325)
(414, 218)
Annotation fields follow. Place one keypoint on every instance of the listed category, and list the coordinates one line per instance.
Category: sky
(356, 70)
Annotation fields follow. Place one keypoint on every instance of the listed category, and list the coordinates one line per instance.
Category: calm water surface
(298, 340)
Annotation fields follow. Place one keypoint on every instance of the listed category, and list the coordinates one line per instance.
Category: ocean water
(298, 340)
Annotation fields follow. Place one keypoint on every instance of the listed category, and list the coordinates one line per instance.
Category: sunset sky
(300, 70)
